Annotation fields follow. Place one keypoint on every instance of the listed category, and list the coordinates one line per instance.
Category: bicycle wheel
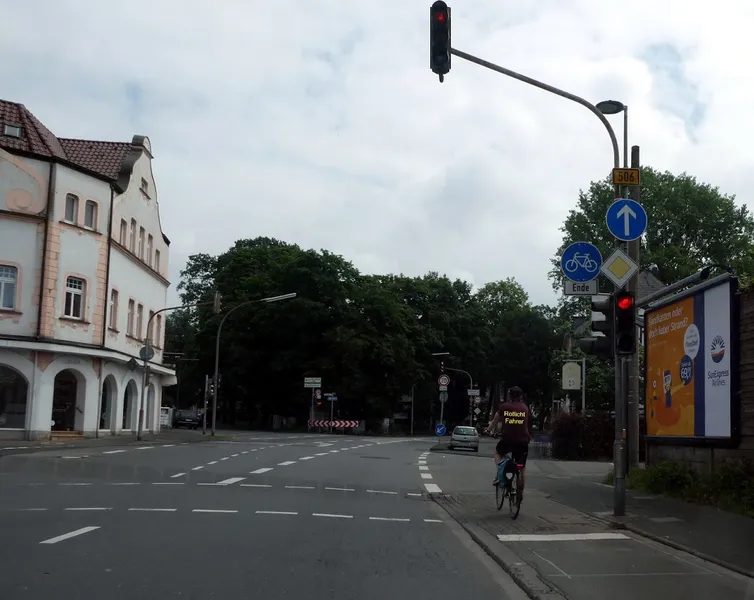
(500, 493)
(514, 498)
(571, 265)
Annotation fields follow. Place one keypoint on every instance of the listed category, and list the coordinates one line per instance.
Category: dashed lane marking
(198, 468)
(339, 489)
(177, 475)
(426, 475)
(214, 510)
(93, 508)
(381, 492)
(260, 471)
(561, 537)
(275, 512)
(256, 485)
(306, 458)
(388, 519)
(332, 516)
(212, 462)
(299, 487)
(433, 488)
(286, 463)
(70, 534)
(114, 452)
(152, 509)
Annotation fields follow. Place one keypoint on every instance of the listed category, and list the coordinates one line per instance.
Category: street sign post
(443, 388)
(581, 288)
(581, 261)
(473, 392)
(626, 219)
(619, 268)
(443, 380)
(312, 382)
(443, 397)
(440, 430)
(626, 177)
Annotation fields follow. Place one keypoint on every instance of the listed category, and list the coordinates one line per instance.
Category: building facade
(83, 266)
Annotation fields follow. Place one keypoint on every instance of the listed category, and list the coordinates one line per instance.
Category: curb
(615, 523)
(523, 575)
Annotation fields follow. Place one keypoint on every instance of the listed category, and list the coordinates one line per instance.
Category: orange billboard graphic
(670, 397)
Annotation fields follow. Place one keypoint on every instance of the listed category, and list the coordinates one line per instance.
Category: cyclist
(514, 415)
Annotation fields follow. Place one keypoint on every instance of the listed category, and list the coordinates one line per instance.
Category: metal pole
(625, 136)
(632, 380)
(442, 411)
(619, 459)
(204, 405)
(412, 410)
(311, 410)
(332, 407)
(583, 386)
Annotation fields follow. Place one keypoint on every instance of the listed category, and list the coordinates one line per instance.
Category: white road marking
(168, 445)
(245, 452)
(114, 452)
(74, 484)
(433, 488)
(422, 462)
(225, 458)
(326, 453)
(560, 537)
(264, 485)
(306, 458)
(286, 463)
(234, 455)
(423, 468)
(381, 492)
(168, 483)
(177, 475)
(212, 462)
(152, 509)
(340, 489)
(230, 480)
(334, 451)
(432, 521)
(69, 457)
(213, 510)
(260, 471)
(88, 508)
(69, 535)
(332, 516)
(388, 519)
(198, 468)
(275, 512)
(299, 487)
(426, 475)
(412, 494)
(33, 509)
(124, 483)
(145, 447)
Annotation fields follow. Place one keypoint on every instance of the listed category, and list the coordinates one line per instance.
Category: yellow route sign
(626, 177)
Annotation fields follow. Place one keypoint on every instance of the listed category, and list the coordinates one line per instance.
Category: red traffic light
(625, 301)
(440, 17)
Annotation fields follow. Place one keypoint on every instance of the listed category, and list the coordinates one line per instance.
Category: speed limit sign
(443, 380)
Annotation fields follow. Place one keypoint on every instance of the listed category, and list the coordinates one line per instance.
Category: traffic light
(603, 322)
(625, 324)
(439, 38)
(442, 366)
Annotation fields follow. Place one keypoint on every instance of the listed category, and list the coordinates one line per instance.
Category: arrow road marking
(627, 213)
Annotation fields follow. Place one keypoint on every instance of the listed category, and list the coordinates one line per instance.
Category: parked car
(187, 418)
(465, 437)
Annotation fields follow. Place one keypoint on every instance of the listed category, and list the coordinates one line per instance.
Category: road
(262, 515)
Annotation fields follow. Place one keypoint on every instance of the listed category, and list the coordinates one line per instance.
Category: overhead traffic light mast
(439, 39)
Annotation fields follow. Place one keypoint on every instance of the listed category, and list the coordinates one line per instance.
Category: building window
(74, 297)
(157, 260)
(158, 332)
(8, 281)
(144, 186)
(139, 321)
(90, 214)
(123, 232)
(114, 309)
(141, 243)
(132, 236)
(130, 323)
(150, 243)
(71, 208)
(150, 327)
(12, 131)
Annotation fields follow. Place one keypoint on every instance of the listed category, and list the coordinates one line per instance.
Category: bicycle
(583, 261)
(509, 486)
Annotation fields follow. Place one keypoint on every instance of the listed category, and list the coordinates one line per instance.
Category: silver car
(464, 437)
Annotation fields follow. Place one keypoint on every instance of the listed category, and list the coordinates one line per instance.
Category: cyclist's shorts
(520, 450)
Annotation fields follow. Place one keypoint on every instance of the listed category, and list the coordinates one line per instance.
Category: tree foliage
(371, 338)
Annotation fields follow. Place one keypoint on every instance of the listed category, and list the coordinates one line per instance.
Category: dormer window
(12, 131)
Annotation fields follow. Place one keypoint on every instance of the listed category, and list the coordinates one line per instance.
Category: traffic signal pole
(633, 379)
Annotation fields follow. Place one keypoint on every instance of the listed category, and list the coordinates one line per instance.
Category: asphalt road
(269, 516)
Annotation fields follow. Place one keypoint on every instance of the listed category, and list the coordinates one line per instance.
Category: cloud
(321, 124)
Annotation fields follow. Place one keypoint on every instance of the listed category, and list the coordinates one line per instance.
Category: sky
(320, 123)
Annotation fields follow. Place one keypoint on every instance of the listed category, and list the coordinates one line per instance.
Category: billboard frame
(735, 384)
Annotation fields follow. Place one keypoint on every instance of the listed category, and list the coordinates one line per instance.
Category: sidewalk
(163, 437)
(554, 551)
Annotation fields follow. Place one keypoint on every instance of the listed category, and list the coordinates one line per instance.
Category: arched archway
(108, 403)
(14, 394)
(67, 401)
(129, 406)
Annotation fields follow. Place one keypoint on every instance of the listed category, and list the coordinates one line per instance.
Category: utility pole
(634, 252)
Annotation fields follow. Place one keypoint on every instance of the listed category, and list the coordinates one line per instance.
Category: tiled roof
(103, 158)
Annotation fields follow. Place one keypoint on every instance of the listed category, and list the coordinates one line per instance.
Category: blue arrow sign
(332, 398)
(440, 429)
(626, 219)
(581, 261)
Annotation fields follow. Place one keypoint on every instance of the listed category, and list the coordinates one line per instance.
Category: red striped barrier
(333, 423)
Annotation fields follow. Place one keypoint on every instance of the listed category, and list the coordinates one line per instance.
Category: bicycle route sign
(626, 219)
(581, 261)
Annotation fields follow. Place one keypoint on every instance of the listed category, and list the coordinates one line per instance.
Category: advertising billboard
(691, 363)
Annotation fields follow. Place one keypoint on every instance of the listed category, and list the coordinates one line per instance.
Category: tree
(690, 225)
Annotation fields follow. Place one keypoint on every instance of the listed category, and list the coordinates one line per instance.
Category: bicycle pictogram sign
(581, 261)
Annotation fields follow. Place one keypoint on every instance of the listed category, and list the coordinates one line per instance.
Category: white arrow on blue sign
(626, 219)
(440, 429)
(581, 261)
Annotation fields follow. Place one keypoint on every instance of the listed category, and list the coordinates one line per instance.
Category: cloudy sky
(320, 123)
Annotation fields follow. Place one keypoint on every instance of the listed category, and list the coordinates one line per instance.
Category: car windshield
(465, 431)
(186, 414)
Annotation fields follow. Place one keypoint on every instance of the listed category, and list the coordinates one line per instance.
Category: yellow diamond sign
(619, 268)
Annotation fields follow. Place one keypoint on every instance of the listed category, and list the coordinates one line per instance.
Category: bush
(575, 437)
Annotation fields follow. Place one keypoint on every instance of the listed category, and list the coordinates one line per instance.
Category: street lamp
(614, 107)
(217, 343)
